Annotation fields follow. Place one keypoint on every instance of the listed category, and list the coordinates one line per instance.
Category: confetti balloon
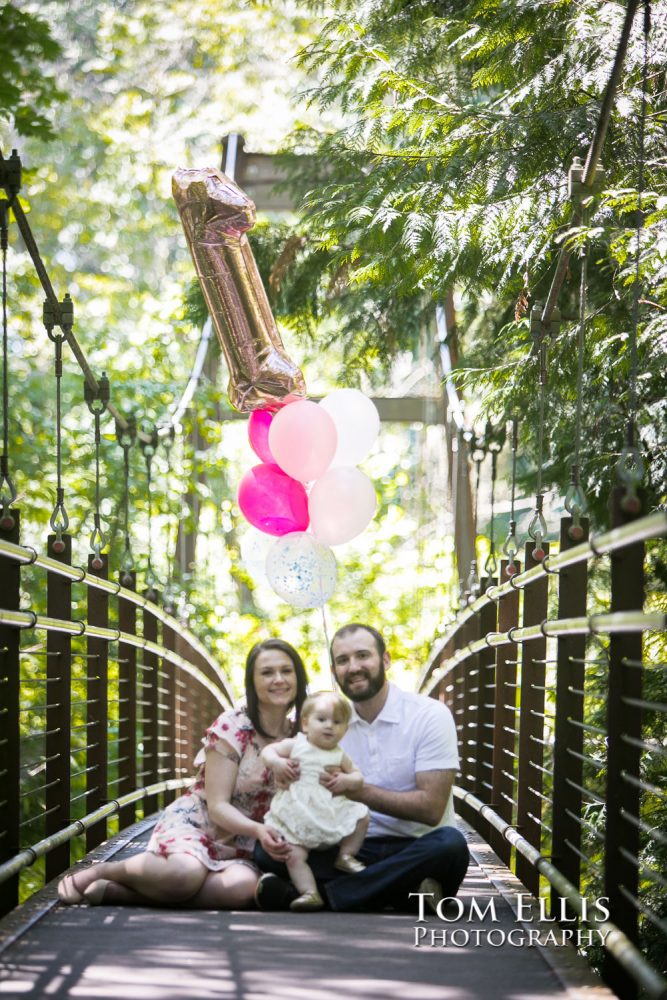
(301, 570)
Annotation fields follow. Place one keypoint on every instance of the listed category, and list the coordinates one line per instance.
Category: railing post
(10, 746)
(186, 714)
(624, 730)
(127, 702)
(485, 706)
(150, 699)
(531, 725)
(59, 710)
(170, 729)
(504, 720)
(568, 731)
(97, 779)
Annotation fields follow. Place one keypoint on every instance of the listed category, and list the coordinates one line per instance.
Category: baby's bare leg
(299, 870)
(352, 843)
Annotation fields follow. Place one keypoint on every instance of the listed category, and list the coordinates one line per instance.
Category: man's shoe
(433, 894)
(274, 893)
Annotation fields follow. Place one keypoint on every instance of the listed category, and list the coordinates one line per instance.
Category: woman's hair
(341, 707)
(252, 703)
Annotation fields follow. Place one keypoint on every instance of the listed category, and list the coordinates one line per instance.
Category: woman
(201, 848)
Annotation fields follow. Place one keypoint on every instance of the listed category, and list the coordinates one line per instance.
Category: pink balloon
(341, 504)
(303, 440)
(258, 435)
(273, 502)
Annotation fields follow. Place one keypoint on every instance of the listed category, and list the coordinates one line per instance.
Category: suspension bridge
(557, 685)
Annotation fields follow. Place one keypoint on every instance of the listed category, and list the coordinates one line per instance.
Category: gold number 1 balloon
(216, 214)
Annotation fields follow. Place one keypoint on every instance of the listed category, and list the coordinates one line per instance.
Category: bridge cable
(97, 403)
(149, 449)
(59, 314)
(537, 529)
(575, 499)
(7, 488)
(169, 597)
(495, 439)
(473, 586)
(630, 466)
(511, 545)
(126, 436)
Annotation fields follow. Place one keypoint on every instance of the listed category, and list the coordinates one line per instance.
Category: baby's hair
(341, 706)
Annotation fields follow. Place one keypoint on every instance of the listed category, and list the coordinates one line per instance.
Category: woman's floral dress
(185, 826)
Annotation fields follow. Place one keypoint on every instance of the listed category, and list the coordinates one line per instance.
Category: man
(405, 746)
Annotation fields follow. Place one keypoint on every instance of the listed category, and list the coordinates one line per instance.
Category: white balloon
(255, 547)
(341, 504)
(357, 424)
(301, 570)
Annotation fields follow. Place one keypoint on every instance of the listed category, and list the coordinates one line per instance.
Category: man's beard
(374, 685)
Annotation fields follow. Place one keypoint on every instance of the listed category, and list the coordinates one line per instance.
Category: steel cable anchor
(97, 400)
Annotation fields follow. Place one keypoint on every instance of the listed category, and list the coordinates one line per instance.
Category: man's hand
(286, 771)
(340, 783)
(274, 844)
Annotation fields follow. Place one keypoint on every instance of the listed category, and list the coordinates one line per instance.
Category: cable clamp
(10, 174)
(543, 623)
(82, 627)
(596, 552)
(31, 624)
(510, 634)
(33, 559)
(83, 572)
(547, 568)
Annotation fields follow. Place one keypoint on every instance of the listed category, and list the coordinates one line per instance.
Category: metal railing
(103, 713)
(561, 710)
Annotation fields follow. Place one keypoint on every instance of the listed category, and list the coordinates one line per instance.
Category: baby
(306, 813)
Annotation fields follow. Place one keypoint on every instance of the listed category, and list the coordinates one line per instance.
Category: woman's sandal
(68, 892)
(348, 863)
(307, 901)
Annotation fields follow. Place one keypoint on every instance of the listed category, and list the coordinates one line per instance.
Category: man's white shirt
(412, 733)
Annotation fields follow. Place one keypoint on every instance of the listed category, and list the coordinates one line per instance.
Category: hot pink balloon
(258, 435)
(303, 440)
(273, 502)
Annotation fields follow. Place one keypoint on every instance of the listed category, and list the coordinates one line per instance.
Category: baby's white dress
(307, 813)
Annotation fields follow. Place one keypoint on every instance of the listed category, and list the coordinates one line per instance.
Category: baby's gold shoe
(348, 863)
(307, 901)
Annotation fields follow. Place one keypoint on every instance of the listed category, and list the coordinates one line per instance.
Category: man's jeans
(396, 866)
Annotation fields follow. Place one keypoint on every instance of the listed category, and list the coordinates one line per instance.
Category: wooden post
(10, 746)
(504, 720)
(97, 777)
(624, 730)
(59, 710)
(150, 699)
(531, 725)
(127, 702)
(568, 732)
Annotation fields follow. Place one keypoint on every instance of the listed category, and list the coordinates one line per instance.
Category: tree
(450, 172)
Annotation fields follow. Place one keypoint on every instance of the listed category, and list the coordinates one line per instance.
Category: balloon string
(328, 646)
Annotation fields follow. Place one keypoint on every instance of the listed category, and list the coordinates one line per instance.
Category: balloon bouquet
(308, 476)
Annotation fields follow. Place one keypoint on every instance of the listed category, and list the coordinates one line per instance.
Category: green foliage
(28, 96)
(449, 171)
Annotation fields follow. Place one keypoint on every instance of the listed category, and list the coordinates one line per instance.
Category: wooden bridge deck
(91, 953)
